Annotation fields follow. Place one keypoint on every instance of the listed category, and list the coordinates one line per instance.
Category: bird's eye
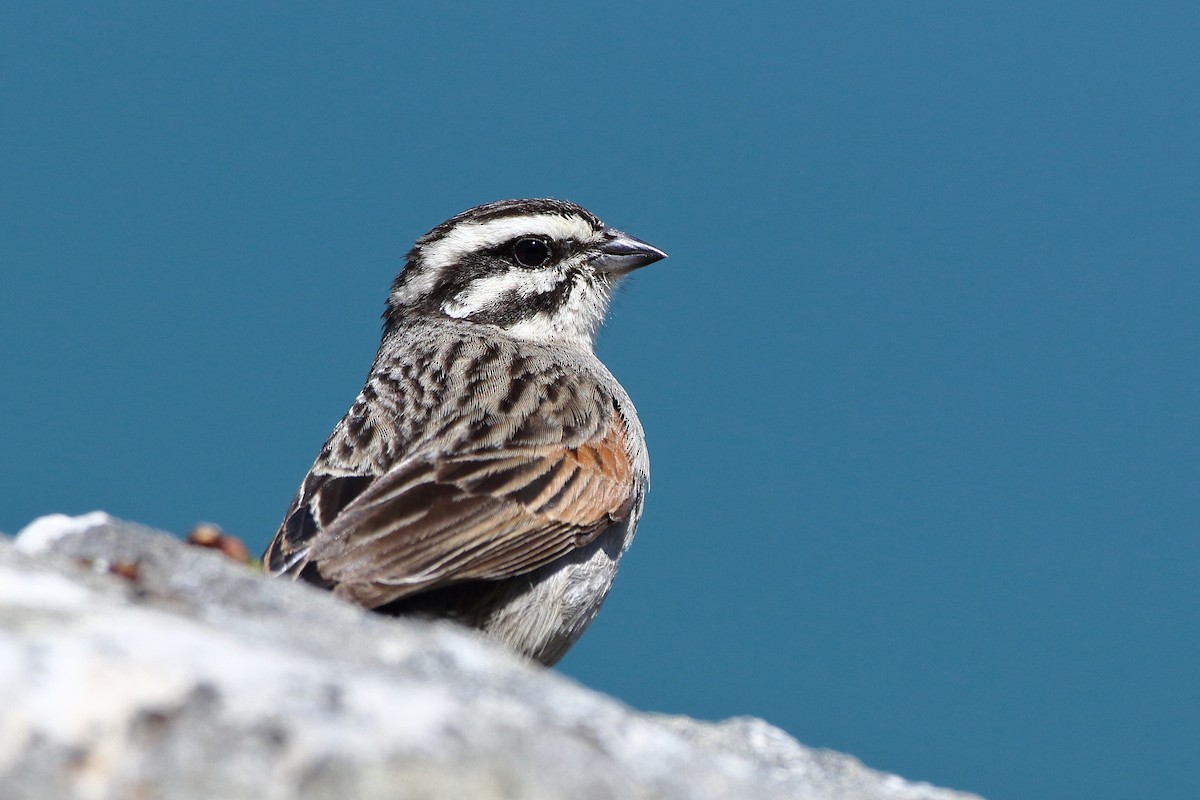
(530, 252)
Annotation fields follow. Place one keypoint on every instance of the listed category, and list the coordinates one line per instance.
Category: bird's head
(541, 270)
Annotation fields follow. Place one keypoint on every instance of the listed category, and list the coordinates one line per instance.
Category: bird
(492, 471)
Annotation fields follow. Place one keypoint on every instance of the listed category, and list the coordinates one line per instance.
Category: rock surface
(133, 666)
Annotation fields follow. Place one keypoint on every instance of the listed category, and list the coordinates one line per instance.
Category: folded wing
(435, 521)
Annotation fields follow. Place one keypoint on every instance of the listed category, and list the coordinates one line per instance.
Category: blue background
(919, 378)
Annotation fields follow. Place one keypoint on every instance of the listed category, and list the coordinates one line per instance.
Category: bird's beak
(622, 253)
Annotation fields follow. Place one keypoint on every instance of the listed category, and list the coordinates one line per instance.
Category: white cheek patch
(576, 322)
(470, 237)
(482, 293)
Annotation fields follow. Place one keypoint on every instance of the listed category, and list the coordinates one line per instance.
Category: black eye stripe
(559, 248)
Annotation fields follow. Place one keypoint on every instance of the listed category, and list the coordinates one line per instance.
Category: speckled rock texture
(133, 666)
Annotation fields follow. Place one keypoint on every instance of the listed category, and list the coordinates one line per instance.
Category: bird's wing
(321, 497)
(481, 515)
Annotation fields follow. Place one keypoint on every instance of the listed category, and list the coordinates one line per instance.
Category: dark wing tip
(320, 499)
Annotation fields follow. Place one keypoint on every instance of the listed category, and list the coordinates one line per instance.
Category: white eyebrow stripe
(468, 237)
(483, 292)
(415, 287)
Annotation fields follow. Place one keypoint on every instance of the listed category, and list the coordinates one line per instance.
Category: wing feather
(434, 521)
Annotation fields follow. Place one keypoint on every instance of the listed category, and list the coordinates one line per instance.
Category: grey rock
(200, 678)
